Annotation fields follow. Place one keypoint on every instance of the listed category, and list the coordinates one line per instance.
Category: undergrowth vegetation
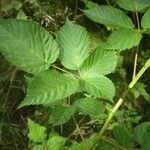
(75, 74)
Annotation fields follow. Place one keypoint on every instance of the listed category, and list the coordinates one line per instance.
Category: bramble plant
(79, 83)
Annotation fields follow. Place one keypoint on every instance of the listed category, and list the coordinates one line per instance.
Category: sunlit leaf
(109, 16)
(74, 42)
(48, 87)
(27, 45)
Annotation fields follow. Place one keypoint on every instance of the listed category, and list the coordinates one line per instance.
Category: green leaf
(90, 106)
(38, 147)
(21, 15)
(142, 135)
(101, 61)
(87, 144)
(105, 146)
(48, 87)
(134, 5)
(109, 16)
(100, 86)
(61, 114)
(123, 136)
(27, 45)
(55, 143)
(36, 132)
(140, 89)
(74, 42)
(122, 39)
(145, 22)
(89, 4)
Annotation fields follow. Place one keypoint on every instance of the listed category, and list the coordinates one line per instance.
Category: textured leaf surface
(134, 5)
(38, 147)
(122, 39)
(36, 132)
(74, 42)
(142, 135)
(55, 142)
(101, 61)
(61, 114)
(48, 87)
(110, 16)
(123, 136)
(27, 45)
(90, 106)
(105, 146)
(145, 22)
(100, 86)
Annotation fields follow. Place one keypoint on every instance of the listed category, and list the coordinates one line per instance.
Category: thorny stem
(120, 101)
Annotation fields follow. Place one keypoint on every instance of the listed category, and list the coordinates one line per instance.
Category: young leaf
(90, 106)
(55, 143)
(134, 5)
(122, 39)
(27, 45)
(140, 89)
(21, 15)
(109, 16)
(48, 87)
(123, 136)
(142, 135)
(89, 4)
(101, 61)
(37, 147)
(145, 22)
(100, 86)
(74, 42)
(61, 114)
(36, 132)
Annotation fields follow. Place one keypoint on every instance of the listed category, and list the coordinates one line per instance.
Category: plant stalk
(120, 101)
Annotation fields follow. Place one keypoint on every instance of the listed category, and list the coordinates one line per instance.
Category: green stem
(137, 20)
(120, 101)
(147, 64)
(66, 71)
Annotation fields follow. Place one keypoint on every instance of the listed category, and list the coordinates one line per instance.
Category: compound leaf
(99, 86)
(145, 22)
(90, 106)
(27, 45)
(134, 5)
(122, 39)
(74, 42)
(109, 16)
(101, 61)
(48, 87)
(123, 136)
(36, 132)
(55, 142)
(61, 114)
(142, 135)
